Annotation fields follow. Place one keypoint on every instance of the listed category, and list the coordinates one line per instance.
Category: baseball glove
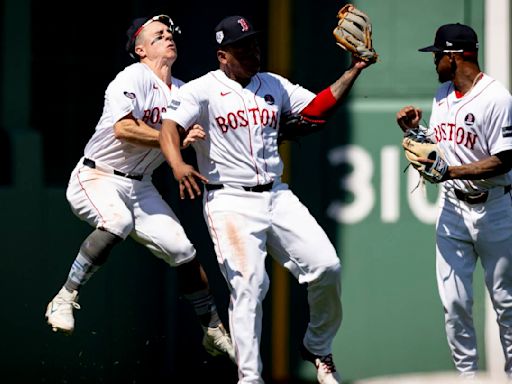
(294, 126)
(417, 145)
(354, 33)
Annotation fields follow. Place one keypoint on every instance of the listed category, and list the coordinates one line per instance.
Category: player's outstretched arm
(326, 101)
(341, 87)
(184, 173)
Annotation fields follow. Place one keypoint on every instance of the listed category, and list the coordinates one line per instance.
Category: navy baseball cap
(232, 29)
(138, 25)
(455, 38)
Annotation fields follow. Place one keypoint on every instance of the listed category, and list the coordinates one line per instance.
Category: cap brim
(430, 48)
(245, 36)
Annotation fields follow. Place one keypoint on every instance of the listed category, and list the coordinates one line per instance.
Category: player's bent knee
(175, 254)
(330, 274)
(119, 224)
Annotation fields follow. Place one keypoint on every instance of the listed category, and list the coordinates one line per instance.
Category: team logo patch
(506, 131)
(174, 104)
(269, 99)
(469, 120)
(129, 95)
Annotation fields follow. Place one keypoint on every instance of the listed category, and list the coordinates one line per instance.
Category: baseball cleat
(325, 368)
(217, 341)
(59, 312)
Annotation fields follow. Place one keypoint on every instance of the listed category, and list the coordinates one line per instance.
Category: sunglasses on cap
(164, 19)
(439, 54)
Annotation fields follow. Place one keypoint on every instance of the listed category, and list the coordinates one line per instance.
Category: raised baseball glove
(294, 126)
(418, 145)
(354, 33)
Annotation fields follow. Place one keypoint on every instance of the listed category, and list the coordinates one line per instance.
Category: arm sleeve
(321, 107)
(185, 107)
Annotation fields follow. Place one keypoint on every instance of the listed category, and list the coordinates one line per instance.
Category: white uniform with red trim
(241, 151)
(127, 205)
(468, 129)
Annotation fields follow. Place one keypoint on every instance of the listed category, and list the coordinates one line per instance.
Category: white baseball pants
(125, 207)
(243, 226)
(466, 233)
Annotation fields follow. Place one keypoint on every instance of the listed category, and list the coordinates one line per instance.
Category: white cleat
(325, 368)
(217, 342)
(59, 312)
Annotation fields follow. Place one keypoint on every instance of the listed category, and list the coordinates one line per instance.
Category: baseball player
(247, 208)
(111, 188)
(471, 121)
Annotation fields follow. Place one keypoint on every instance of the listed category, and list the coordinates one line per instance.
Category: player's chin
(172, 56)
(443, 76)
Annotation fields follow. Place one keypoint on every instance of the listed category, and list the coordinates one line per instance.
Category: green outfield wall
(353, 178)
(133, 327)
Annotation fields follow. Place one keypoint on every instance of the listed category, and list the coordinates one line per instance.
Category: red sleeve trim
(321, 106)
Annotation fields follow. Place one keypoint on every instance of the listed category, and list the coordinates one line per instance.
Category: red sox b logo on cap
(243, 24)
(232, 29)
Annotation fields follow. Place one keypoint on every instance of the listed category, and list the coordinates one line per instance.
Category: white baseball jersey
(138, 90)
(241, 124)
(473, 127)
(468, 129)
(241, 151)
(121, 205)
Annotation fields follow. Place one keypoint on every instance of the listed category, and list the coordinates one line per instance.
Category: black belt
(477, 198)
(256, 188)
(92, 164)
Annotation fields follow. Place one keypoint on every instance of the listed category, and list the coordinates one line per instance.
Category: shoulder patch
(174, 104)
(129, 95)
(506, 131)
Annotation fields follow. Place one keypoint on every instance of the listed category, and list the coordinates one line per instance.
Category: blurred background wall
(55, 64)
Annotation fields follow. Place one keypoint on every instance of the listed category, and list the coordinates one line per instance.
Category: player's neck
(465, 80)
(161, 70)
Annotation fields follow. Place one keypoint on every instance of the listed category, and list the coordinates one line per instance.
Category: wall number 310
(361, 184)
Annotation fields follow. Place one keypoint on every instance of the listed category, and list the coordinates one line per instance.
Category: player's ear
(222, 56)
(140, 51)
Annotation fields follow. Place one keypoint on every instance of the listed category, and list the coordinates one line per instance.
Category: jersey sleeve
(500, 124)
(296, 97)
(123, 93)
(185, 106)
